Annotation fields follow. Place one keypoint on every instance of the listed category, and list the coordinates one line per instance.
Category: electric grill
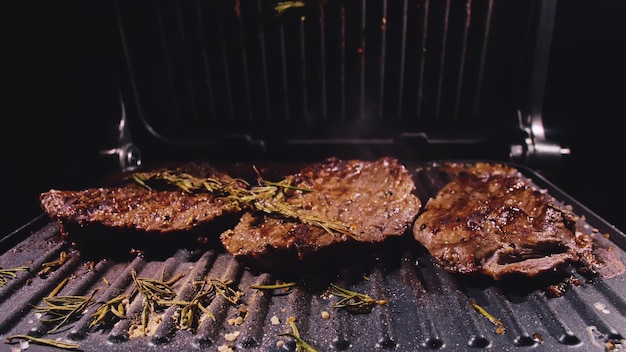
(238, 83)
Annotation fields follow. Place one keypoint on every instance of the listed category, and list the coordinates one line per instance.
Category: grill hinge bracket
(536, 150)
(125, 154)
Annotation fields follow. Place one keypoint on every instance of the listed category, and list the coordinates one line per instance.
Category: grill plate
(427, 309)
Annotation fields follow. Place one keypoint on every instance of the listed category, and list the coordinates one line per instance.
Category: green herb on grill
(8, 274)
(282, 6)
(51, 266)
(189, 315)
(60, 310)
(154, 292)
(284, 288)
(40, 341)
(269, 197)
(225, 289)
(497, 322)
(301, 344)
(354, 302)
(115, 307)
(59, 287)
(207, 290)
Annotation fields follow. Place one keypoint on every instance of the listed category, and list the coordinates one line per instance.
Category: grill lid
(382, 77)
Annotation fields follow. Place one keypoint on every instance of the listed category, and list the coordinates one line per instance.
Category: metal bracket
(536, 150)
(127, 154)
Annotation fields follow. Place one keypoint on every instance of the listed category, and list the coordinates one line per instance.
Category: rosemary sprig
(274, 206)
(285, 287)
(62, 309)
(59, 287)
(354, 302)
(51, 266)
(183, 181)
(282, 6)
(301, 344)
(8, 274)
(190, 311)
(268, 197)
(40, 341)
(497, 322)
(115, 307)
(225, 289)
(154, 291)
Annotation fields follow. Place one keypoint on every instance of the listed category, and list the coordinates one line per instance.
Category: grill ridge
(427, 309)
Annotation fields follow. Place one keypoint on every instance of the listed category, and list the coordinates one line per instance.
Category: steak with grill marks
(374, 198)
(491, 220)
(134, 208)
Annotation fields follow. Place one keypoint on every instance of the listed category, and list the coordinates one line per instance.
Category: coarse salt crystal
(275, 320)
(232, 336)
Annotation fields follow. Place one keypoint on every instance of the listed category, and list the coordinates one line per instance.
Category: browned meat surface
(373, 198)
(491, 220)
(130, 206)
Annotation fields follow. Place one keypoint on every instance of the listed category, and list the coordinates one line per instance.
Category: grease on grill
(559, 289)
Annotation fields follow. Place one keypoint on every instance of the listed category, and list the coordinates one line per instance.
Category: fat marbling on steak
(490, 219)
(374, 199)
(135, 208)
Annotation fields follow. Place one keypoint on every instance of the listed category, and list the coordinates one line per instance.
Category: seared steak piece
(491, 220)
(131, 207)
(373, 199)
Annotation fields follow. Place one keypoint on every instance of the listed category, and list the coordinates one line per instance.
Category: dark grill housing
(227, 80)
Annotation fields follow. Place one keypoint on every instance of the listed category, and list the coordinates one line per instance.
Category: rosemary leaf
(283, 6)
(155, 292)
(114, 307)
(62, 309)
(301, 344)
(268, 197)
(58, 288)
(51, 266)
(40, 341)
(8, 274)
(224, 289)
(285, 288)
(497, 322)
(354, 302)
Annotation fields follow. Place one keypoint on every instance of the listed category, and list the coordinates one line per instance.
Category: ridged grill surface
(427, 309)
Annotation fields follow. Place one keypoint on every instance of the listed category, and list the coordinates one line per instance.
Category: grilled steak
(373, 198)
(134, 208)
(491, 220)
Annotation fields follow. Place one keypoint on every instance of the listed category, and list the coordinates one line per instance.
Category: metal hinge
(125, 153)
(536, 150)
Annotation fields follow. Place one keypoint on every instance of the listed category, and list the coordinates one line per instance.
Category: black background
(54, 85)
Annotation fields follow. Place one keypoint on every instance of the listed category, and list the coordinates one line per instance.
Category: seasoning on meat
(491, 220)
(373, 198)
(130, 206)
